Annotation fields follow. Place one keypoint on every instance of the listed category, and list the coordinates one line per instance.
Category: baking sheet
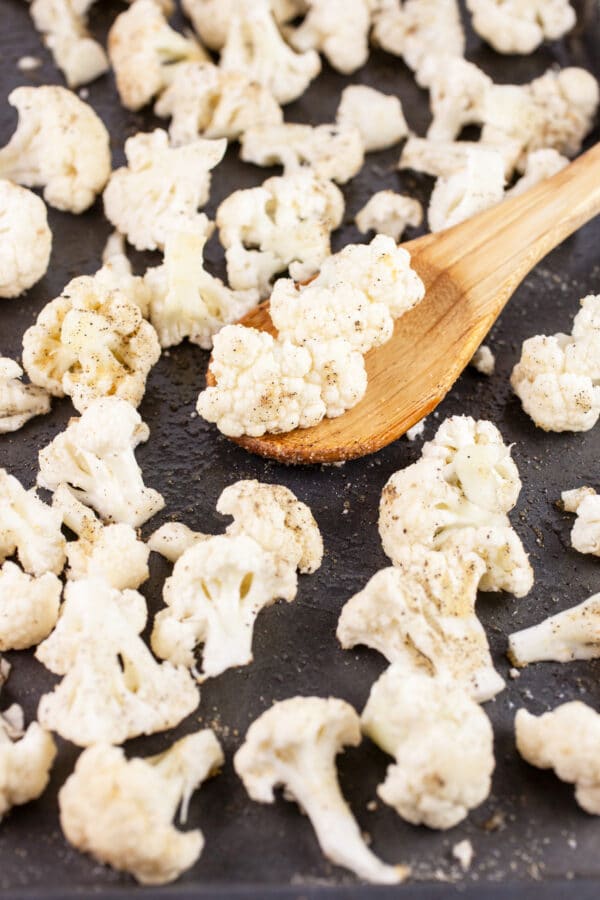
(529, 838)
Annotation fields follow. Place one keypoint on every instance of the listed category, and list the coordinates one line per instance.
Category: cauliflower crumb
(18, 402)
(63, 25)
(30, 528)
(568, 635)
(417, 430)
(463, 853)
(338, 29)
(520, 26)
(484, 360)
(585, 535)
(28, 63)
(389, 213)
(26, 239)
(28, 607)
(416, 29)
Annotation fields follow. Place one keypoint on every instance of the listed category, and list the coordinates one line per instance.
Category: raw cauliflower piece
(416, 29)
(377, 116)
(568, 741)
(80, 58)
(217, 589)
(145, 51)
(389, 213)
(457, 90)
(205, 101)
(29, 528)
(211, 18)
(338, 29)
(294, 744)
(28, 607)
(539, 165)
(286, 223)
(442, 742)
(172, 539)
(109, 552)
(121, 810)
(520, 26)
(95, 457)
(255, 47)
(457, 197)
(113, 689)
(26, 757)
(571, 634)
(91, 342)
(60, 144)
(445, 158)
(420, 615)
(483, 360)
(160, 188)
(185, 300)
(18, 402)
(585, 536)
(335, 152)
(557, 377)
(26, 239)
(457, 496)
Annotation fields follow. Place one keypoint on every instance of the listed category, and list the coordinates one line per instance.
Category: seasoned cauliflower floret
(185, 300)
(91, 342)
(113, 689)
(29, 528)
(457, 90)
(571, 634)
(285, 223)
(255, 47)
(568, 741)
(483, 360)
(338, 29)
(28, 607)
(95, 457)
(121, 810)
(26, 239)
(144, 51)
(160, 187)
(205, 101)
(378, 117)
(18, 402)
(211, 18)
(457, 197)
(331, 151)
(442, 742)
(539, 165)
(389, 213)
(445, 158)
(294, 744)
(339, 371)
(585, 535)
(63, 24)
(172, 539)
(416, 29)
(520, 26)
(557, 377)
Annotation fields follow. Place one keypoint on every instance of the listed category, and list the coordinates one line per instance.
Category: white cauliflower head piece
(416, 29)
(483, 361)
(477, 187)
(28, 607)
(121, 810)
(442, 742)
(294, 744)
(571, 634)
(457, 90)
(79, 57)
(18, 402)
(378, 117)
(60, 144)
(389, 213)
(520, 26)
(539, 165)
(585, 535)
(26, 239)
(211, 18)
(95, 457)
(172, 539)
(338, 29)
(30, 528)
(567, 739)
(160, 186)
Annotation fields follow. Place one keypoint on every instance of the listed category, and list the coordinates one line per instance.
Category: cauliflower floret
(110, 552)
(378, 117)
(520, 26)
(95, 457)
(568, 741)
(442, 742)
(285, 223)
(557, 377)
(60, 144)
(211, 18)
(389, 213)
(457, 197)
(18, 402)
(160, 187)
(172, 539)
(420, 615)
(483, 360)
(294, 744)
(457, 89)
(80, 58)
(571, 634)
(585, 536)
(144, 50)
(28, 607)
(26, 757)
(255, 47)
(116, 273)
(416, 29)
(113, 689)
(121, 810)
(26, 239)
(445, 158)
(339, 371)
(339, 30)
(185, 300)
(332, 151)
(203, 100)
(539, 165)
(30, 528)
(91, 342)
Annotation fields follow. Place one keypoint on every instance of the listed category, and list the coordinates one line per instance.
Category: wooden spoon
(470, 272)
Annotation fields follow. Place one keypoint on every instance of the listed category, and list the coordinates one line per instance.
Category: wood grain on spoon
(470, 272)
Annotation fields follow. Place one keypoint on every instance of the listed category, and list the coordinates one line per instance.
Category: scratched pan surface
(529, 838)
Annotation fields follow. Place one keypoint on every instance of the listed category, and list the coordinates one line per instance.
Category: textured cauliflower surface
(585, 534)
(26, 239)
(29, 528)
(18, 402)
(477, 187)
(457, 90)
(520, 26)
(416, 29)
(378, 117)
(389, 213)
(211, 18)
(338, 30)
(568, 635)
(28, 607)
(63, 24)
(539, 165)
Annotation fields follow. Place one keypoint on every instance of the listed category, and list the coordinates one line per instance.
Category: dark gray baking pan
(530, 838)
